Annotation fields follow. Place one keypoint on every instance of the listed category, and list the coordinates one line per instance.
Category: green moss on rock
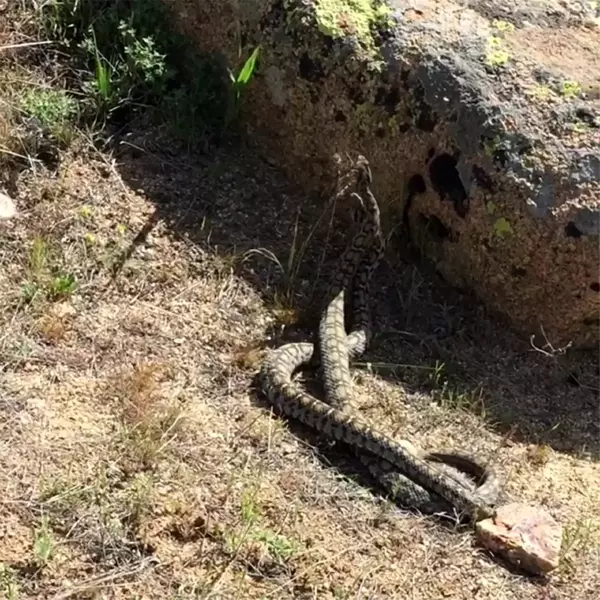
(338, 18)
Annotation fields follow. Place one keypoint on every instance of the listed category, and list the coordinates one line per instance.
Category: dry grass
(137, 460)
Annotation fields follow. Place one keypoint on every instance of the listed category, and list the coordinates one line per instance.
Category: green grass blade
(248, 69)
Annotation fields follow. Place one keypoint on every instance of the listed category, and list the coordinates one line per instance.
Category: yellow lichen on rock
(338, 18)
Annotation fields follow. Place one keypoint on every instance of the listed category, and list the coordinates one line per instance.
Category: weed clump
(128, 61)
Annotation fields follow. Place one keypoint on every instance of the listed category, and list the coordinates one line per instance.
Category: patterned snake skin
(405, 473)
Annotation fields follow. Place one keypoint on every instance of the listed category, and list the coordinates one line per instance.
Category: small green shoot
(249, 507)
(503, 26)
(103, 80)
(437, 376)
(9, 589)
(29, 291)
(278, 546)
(239, 85)
(139, 498)
(451, 397)
(38, 257)
(246, 73)
(44, 543)
(62, 286)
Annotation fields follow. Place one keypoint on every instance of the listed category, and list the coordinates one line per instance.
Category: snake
(428, 482)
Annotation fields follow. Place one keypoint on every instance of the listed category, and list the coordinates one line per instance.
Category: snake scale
(410, 477)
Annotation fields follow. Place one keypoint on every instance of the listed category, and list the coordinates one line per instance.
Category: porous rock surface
(481, 120)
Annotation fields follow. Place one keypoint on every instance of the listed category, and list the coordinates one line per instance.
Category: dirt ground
(137, 459)
(141, 286)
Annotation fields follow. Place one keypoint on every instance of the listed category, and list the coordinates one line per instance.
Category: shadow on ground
(231, 202)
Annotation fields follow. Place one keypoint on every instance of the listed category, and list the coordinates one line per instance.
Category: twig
(553, 352)
(11, 153)
(26, 44)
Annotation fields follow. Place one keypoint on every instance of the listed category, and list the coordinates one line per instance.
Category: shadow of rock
(232, 203)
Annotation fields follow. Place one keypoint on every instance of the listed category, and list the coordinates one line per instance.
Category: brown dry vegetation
(138, 461)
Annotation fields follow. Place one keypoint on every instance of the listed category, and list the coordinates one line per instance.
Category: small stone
(62, 310)
(288, 448)
(526, 536)
(7, 207)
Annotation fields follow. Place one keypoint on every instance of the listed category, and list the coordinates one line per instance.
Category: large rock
(481, 121)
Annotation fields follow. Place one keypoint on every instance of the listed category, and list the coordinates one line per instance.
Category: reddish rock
(526, 536)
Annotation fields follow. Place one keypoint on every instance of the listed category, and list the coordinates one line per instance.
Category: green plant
(55, 110)
(100, 87)
(44, 543)
(239, 84)
(44, 277)
(62, 286)
(278, 546)
(38, 257)
(249, 507)
(437, 376)
(29, 291)
(130, 61)
(9, 588)
(139, 498)
(450, 396)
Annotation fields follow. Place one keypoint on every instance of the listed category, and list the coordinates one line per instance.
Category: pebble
(7, 207)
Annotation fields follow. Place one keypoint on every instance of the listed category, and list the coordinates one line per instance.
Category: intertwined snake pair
(411, 478)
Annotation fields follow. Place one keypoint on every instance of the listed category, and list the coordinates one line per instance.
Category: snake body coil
(409, 476)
